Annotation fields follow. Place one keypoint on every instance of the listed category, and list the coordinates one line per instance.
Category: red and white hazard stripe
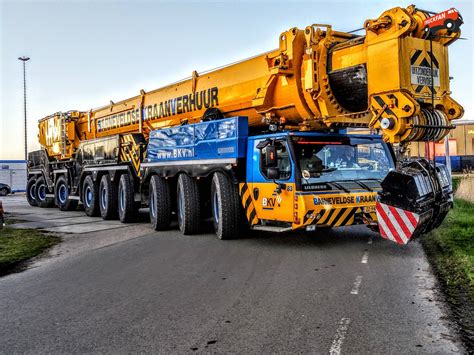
(396, 224)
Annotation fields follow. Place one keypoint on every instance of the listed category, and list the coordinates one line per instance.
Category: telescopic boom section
(395, 78)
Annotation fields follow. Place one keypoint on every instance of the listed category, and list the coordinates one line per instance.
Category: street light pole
(24, 60)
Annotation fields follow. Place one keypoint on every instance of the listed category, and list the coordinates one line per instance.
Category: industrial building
(461, 142)
(461, 147)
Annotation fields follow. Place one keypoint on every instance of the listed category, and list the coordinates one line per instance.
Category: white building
(13, 173)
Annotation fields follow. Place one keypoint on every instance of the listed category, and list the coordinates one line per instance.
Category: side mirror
(273, 173)
(271, 156)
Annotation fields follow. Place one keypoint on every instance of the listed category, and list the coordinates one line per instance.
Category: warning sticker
(421, 75)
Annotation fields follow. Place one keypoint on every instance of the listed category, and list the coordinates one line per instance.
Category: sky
(86, 53)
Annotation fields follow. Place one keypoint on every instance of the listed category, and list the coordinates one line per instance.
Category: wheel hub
(104, 199)
(42, 192)
(88, 196)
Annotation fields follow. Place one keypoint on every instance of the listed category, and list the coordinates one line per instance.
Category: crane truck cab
(315, 179)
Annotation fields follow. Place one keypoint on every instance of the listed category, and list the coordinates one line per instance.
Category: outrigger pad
(415, 199)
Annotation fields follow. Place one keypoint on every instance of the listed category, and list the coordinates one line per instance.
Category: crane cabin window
(344, 159)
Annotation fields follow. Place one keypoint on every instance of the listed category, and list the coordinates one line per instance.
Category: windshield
(325, 160)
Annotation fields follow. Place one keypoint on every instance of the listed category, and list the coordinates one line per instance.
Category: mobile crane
(262, 143)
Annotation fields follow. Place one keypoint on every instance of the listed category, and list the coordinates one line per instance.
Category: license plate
(369, 209)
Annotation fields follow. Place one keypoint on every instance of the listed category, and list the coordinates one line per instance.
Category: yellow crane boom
(393, 78)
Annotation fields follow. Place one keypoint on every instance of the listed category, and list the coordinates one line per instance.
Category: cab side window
(283, 161)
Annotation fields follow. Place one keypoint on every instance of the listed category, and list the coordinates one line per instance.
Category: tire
(31, 191)
(108, 198)
(426, 32)
(127, 209)
(225, 206)
(41, 190)
(61, 195)
(90, 197)
(3, 191)
(188, 205)
(160, 203)
(450, 25)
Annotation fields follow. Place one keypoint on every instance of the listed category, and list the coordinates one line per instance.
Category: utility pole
(24, 60)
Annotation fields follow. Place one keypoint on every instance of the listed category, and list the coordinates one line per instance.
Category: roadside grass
(9, 221)
(452, 244)
(456, 181)
(450, 249)
(19, 245)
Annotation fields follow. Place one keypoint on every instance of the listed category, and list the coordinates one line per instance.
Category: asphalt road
(343, 291)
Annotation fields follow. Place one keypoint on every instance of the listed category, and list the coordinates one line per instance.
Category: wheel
(3, 191)
(188, 205)
(450, 25)
(90, 197)
(31, 191)
(41, 192)
(426, 31)
(160, 203)
(127, 209)
(108, 196)
(61, 195)
(225, 206)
